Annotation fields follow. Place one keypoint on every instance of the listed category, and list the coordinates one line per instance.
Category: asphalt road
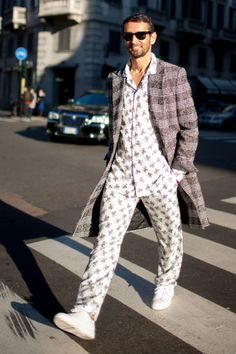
(43, 188)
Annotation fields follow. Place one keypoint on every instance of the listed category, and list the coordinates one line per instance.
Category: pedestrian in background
(28, 98)
(40, 102)
(153, 140)
(33, 102)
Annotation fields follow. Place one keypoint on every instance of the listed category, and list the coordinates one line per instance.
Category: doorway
(64, 85)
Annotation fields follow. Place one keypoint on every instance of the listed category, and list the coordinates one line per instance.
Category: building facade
(73, 44)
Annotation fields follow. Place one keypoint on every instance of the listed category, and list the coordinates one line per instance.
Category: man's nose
(134, 39)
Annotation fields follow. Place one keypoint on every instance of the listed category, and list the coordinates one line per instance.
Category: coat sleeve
(187, 139)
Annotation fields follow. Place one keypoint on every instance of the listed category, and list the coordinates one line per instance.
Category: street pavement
(43, 187)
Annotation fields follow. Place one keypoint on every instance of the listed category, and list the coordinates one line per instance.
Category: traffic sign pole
(21, 54)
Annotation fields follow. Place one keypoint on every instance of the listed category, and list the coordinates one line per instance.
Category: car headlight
(53, 115)
(102, 119)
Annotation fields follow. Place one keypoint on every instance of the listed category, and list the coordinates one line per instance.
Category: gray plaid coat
(174, 120)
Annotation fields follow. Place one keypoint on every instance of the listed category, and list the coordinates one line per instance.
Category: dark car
(219, 120)
(84, 117)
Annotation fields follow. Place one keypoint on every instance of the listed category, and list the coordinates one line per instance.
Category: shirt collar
(151, 69)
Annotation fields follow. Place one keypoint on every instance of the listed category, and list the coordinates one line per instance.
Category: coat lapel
(156, 103)
(118, 83)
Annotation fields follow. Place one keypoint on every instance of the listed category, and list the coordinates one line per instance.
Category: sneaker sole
(69, 327)
(159, 308)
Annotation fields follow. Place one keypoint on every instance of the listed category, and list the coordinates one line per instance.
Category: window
(196, 10)
(202, 57)
(64, 40)
(183, 54)
(185, 8)
(34, 3)
(142, 3)
(19, 42)
(209, 14)
(218, 61)
(114, 42)
(30, 43)
(233, 63)
(164, 47)
(232, 19)
(114, 2)
(220, 16)
(172, 9)
(193, 9)
(10, 48)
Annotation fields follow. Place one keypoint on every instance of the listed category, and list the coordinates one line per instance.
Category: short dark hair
(139, 18)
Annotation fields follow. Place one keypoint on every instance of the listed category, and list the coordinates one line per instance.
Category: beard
(137, 52)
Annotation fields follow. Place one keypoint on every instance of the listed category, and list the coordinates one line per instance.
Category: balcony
(190, 29)
(15, 18)
(224, 38)
(60, 11)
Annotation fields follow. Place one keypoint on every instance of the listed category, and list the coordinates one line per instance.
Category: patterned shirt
(138, 161)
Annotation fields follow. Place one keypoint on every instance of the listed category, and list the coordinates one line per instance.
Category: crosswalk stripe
(204, 325)
(222, 218)
(27, 331)
(230, 200)
(207, 251)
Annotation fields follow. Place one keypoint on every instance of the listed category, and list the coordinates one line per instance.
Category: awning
(225, 86)
(209, 85)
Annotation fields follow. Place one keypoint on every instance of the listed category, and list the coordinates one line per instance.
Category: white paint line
(207, 251)
(231, 141)
(24, 330)
(230, 200)
(222, 218)
(197, 321)
(16, 201)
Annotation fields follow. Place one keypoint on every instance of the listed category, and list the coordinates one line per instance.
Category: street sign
(21, 53)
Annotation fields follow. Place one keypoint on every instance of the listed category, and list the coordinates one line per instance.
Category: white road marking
(17, 201)
(207, 251)
(230, 200)
(197, 321)
(24, 330)
(222, 218)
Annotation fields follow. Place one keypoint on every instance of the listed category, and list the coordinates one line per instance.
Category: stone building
(73, 44)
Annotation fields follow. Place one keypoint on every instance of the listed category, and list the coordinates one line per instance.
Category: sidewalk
(7, 117)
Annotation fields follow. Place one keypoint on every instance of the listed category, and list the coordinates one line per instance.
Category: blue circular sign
(21, 53)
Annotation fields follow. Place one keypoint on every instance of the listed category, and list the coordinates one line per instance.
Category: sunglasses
(128, 36)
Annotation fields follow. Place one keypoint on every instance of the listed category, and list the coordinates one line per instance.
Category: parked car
(84, 117)
(212, 106)
(219, 120)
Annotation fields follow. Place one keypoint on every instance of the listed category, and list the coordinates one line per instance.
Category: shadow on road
(16, 228)
(34, 132)
(39, 133)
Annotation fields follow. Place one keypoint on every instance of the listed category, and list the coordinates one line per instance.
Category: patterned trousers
(115, 216)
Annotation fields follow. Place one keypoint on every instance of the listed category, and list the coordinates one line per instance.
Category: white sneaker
(78, 323)
(162, 297)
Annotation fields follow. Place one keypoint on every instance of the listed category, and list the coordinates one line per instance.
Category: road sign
(21, 53)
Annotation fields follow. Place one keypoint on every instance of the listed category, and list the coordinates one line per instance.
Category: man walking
(153, 139)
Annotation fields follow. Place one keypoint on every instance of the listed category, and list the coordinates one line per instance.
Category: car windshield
(94, 99)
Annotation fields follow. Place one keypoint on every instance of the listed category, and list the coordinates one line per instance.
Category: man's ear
(153, 37)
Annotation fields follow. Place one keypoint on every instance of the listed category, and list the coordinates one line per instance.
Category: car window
(228, 109)
(97, 99)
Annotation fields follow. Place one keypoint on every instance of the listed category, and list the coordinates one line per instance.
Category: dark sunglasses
(128, 36)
